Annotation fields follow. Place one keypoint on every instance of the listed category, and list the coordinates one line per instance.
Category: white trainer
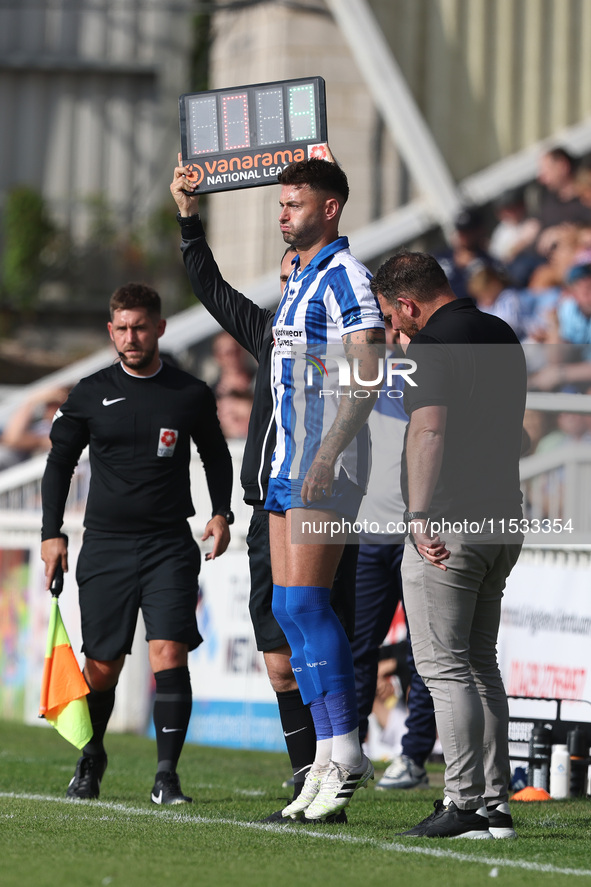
(500, 822)
(337, 788)
(310, 789)
(403, 773)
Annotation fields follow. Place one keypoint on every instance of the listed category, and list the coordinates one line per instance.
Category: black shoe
(278, 816)
(167, 789)
(500, 822)
(85, 784)
(448, 821)
(275, 817)
(334, 818)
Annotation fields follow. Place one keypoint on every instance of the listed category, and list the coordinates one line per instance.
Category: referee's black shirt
(139, 430)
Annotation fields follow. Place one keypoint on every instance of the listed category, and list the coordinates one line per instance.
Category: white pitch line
(301, 831)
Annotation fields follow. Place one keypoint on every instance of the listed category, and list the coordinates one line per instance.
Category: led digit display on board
(269, 111)
(243, 137)
(302, 119)
(235, 121)
(203, 131)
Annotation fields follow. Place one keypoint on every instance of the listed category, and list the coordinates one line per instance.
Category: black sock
(299, 733)
(100, 706)
(172, 712)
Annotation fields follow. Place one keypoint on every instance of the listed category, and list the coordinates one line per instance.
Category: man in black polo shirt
(460, 481)
(138, 418)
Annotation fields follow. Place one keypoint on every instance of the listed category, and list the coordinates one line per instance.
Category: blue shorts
(285, 493)
(267, 631)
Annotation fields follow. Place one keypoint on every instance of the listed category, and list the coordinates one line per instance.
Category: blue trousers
(378, 591)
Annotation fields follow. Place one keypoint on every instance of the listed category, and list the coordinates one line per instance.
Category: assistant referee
(138, 418)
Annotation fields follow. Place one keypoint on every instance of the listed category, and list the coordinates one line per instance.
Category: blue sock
(326, 649)
(341, 708)
(295, 639)
(322, 723)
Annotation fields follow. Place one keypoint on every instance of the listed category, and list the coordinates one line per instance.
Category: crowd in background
(532, 266)
(526, 259)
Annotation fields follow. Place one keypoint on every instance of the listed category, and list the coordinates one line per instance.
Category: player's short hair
(319, 175)
(136, 295)
(416, 275)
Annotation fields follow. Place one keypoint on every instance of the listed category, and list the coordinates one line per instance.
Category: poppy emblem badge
(167, 441)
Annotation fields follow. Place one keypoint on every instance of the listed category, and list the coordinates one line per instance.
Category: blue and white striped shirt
(328, 299)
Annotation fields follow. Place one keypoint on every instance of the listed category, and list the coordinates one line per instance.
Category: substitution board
(243, 137)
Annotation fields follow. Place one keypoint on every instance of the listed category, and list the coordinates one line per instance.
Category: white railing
(557, 486)
(20, 487)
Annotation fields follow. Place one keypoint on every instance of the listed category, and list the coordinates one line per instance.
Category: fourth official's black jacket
(252, 327)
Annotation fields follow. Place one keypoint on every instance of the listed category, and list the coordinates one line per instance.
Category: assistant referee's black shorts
(118, 574)
(268, 633)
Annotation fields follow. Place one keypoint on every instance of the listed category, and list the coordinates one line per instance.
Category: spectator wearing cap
(574, 327)
(468, 251)
(574, 311)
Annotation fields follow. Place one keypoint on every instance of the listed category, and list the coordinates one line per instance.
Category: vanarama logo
(236, 168)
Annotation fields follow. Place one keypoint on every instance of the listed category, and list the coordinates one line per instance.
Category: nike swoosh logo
(172, 729)
(157, 798)
(107, 403)
(294, 731)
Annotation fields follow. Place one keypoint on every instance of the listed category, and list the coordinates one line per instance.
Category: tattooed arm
(365, 347)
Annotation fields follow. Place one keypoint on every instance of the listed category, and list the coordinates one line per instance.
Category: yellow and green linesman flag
(63, 689)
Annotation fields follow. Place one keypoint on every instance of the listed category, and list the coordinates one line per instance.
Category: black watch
(415, 515)
(410, 516)
(194, 218)
(223, 512)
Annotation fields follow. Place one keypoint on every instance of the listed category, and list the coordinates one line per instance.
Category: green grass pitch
(125, 841)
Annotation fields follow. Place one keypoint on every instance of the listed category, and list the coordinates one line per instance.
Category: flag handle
(57, 585)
